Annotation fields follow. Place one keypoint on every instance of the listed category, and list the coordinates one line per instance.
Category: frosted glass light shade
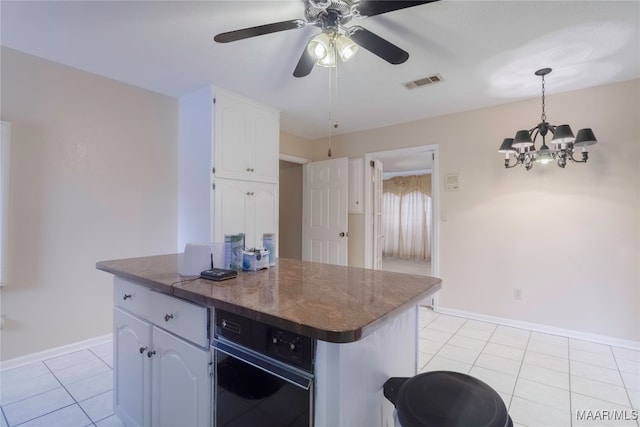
(319, 46)
(346, 47)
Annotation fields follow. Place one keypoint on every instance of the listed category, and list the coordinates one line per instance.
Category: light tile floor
(545, 380)
(75, 389)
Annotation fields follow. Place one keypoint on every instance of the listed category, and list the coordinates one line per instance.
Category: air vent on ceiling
(436, 78)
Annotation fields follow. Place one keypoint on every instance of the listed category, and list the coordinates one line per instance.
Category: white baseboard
(54, 352)
(600, 339)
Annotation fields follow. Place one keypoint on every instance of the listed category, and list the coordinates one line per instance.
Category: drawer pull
(142, 349)
(150, 353)
(126, 296)
(167, 317)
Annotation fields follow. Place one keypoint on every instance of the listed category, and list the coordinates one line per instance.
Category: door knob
(342, 234)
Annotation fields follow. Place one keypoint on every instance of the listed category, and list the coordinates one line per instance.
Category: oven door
(251, 389)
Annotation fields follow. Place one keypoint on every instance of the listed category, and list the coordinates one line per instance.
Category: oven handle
(271, 366)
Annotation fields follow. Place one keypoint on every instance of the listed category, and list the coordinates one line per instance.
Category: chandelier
(563, 143)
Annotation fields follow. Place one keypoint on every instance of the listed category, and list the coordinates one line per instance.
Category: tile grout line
(75, 402)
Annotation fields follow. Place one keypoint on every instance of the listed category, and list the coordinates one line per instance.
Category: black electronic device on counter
(218, 274)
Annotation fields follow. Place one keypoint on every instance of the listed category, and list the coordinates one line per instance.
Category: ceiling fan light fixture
(319, 46)
(329, 60)
(347, 49)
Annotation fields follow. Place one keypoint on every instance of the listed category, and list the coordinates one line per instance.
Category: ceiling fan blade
(305, 64)
(378, 7)
(245, 33)
(377, 45)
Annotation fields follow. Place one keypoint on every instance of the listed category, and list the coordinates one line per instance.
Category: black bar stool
(446, 399)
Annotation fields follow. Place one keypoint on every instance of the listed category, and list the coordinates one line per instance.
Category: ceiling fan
(335, 40)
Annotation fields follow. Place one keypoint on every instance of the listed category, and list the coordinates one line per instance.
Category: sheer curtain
(406, 218)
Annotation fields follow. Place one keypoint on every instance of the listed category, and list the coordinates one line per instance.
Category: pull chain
(333, 101)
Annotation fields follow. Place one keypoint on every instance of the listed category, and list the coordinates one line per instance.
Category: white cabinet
(180, 382)
(160, 378)
(356, 172)
(232, 139)
(245, 206)
(132, 370)
(246, 139)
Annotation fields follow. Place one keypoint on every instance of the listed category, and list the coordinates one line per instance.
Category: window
(5, 138)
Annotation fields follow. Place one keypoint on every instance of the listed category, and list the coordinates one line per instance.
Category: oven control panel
(289, 347)
(279, 344)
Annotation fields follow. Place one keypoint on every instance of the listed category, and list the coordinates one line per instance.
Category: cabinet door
(247, 139)
(264, 211)
(181, 384)
(231, 200)
(233, 143)
(245, 207)
(265, 125)
(131, 398)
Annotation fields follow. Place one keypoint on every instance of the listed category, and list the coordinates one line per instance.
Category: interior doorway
(410, 177)
(290, 207)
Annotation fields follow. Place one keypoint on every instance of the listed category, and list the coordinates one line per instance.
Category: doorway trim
(435, 200)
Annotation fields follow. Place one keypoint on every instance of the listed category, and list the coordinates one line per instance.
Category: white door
(324, 217)
(181, 384)
(378, 236)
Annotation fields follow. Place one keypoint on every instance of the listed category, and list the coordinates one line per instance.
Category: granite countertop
(327, 302)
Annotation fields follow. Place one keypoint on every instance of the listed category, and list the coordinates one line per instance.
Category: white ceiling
(486, 52)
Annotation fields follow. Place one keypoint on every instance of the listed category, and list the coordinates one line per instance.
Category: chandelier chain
(543, 117)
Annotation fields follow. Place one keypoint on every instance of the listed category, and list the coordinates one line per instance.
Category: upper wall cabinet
(233, 138)
(246, 139)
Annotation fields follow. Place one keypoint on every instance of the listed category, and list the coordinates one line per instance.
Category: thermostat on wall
(452, 182)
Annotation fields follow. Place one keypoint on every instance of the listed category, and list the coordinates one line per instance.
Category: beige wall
(93, 177)
(569, 239)
(290, 226)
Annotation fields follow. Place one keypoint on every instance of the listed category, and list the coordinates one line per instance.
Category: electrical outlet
(517, 293)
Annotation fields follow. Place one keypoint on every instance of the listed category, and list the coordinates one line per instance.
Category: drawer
(130, 296)
(187, 320)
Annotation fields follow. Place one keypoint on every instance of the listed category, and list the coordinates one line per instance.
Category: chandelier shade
(522, 139)
(523, 148)
(585, 137)
(562, 135)
(507, 146)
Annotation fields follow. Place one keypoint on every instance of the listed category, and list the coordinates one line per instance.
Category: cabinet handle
(167, 317)
(126, 296)
(150, 353)
(142, 349)
(252, 170)
(248, 169)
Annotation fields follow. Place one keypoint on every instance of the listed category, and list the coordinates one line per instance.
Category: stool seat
(446, 399)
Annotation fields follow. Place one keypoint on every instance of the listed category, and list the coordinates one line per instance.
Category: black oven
(263, 375)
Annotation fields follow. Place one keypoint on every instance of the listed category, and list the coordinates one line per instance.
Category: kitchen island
(364, 322)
